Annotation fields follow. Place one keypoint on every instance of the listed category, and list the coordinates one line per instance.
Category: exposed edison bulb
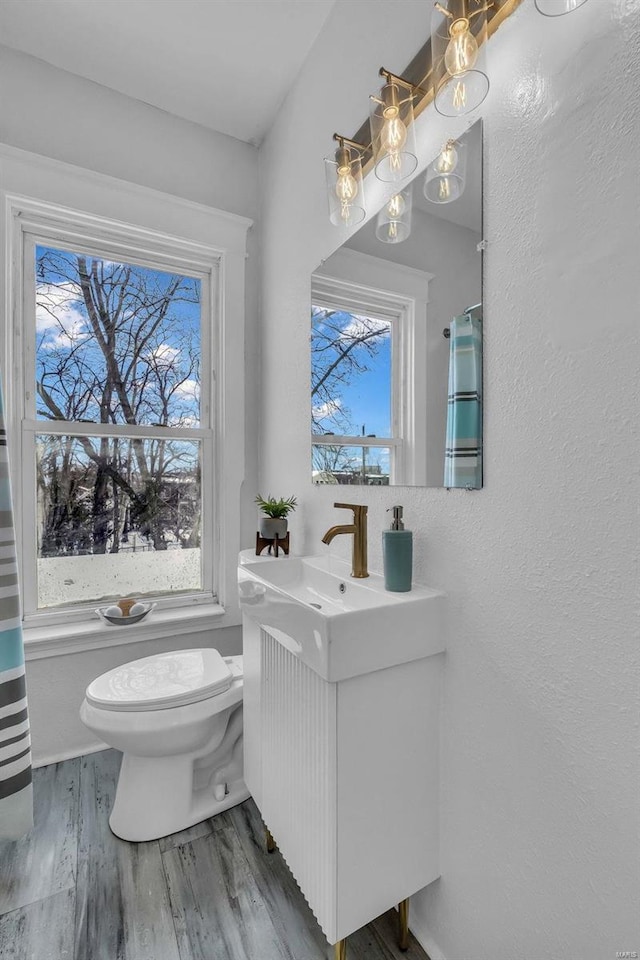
(462, 49)
(444, 189)
(448, 158)
(459, 95)
(393, 135)
(346, 186)
(346, 190)
(396, 207)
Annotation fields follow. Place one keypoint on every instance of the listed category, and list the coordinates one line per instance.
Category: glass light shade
(394, 220)
(345, 188)
(458, 47)
(557, 8)
(446, 175)
(393, 136)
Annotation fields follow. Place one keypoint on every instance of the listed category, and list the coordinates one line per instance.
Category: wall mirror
(396, 336)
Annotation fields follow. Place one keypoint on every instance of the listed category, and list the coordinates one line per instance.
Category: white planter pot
(270, 527)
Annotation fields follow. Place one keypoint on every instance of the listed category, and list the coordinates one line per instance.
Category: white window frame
(67, 237)
(401, 298)
(77, 209)
(333, 294)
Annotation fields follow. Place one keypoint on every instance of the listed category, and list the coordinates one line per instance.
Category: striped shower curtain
(16, 805)
(463, 452)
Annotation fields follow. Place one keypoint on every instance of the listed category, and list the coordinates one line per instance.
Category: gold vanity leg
(340, 950)
(270, 842)
(403, 918)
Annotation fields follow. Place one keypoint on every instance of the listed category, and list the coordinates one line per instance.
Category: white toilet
(177, 718)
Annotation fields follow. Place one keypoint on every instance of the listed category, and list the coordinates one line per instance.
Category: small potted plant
(274, 522)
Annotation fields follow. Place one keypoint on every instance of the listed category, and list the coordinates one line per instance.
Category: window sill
(62, 638)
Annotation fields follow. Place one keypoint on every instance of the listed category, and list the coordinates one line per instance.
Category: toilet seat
(163, 681)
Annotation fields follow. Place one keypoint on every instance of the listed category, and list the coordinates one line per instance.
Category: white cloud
(57, 304)
(60, 315)
(189, 390)
(326, 409)
(163, 355)
(361, 327)
(178, 421)
(65, 339)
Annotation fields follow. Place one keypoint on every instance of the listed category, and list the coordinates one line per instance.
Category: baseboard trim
(423, 936)
(58, 757)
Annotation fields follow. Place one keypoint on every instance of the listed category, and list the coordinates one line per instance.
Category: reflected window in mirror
(361, 379)
(382, 371)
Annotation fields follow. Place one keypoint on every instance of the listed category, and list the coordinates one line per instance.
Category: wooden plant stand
(274, 544)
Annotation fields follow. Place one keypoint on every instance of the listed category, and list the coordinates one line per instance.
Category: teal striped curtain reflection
(463, 452)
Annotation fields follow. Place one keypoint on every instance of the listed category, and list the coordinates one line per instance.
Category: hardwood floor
(73, 891)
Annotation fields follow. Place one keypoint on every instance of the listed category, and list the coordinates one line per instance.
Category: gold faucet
(359, 530)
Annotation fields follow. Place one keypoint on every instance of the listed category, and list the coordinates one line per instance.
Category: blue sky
(369, 395)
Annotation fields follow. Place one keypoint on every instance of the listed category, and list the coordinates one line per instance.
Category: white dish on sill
(124, 621)
(339, 626)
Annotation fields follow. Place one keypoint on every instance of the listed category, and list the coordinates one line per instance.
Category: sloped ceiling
(225, 64)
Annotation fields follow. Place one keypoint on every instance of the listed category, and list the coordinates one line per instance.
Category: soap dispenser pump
(397, 554)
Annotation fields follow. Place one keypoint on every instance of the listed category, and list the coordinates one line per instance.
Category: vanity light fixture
(394, 220)
(451, 64)
(393, 138)
(345, 189)
(446, 175)
(458, 50)
(557, 8)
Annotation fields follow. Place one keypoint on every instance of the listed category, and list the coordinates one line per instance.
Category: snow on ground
(63, 580)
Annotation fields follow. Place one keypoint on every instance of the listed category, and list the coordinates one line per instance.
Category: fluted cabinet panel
(345, 776)
(299, 772)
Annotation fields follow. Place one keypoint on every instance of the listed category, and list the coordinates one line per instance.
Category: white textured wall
(56, 114)
(539, 789)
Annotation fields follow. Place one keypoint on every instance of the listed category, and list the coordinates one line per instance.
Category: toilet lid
(164, 680)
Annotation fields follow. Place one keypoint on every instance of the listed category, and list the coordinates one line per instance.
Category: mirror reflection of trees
(366, 465)
(329, 459)
(117, 344)
(342, 348)
(348, 353)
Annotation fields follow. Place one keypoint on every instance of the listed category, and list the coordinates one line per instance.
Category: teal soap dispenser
(397, 554)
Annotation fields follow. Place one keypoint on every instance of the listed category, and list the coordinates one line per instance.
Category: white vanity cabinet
(344, 773)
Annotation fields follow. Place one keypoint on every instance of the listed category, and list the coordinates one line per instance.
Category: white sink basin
(339, 626)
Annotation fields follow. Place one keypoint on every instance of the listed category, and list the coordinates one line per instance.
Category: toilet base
(137, 820)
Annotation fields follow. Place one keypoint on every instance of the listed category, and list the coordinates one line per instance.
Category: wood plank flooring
(73, 891)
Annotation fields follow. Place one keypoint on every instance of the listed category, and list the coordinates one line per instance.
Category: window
(361, 385)
(117, 427)
(163, 240)
(351, 357)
